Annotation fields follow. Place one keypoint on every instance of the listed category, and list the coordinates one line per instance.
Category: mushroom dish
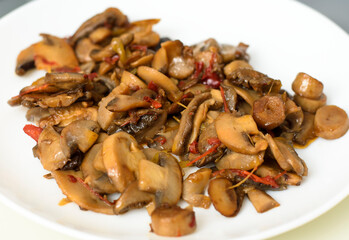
(126, 119)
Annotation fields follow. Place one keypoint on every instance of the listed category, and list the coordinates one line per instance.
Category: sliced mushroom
(53, 52)
(248, 95)
(261, 201)
(230, 96)
(121, 156)
(234, 160)
(132, 198)
(223, 199)
(143, 34)
(98, 180)
(310, 105)
(234, 65)
(25, 60)
(149, 74)
(160, 62)
(83, 49)
(50, 151)
(164, 180)
(105, 117)
(331, 122)
(143, 61)
(234, 133)
(172, 221)
(72, 185)
(306, 86)
(132, 81)
(80, 134)
(286, 178)
(112, 16)
(194, 186)
(306, 132)
(123, 103)
(100, 34)
(269, 112)
(230, 53)
(181, 140)
(286, 156)
(294, 117)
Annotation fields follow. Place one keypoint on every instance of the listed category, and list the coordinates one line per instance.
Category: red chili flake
(209, 151)
(193, 222)
(142, 48)
(185, 95)
(44, 60)
(153, 86)
(161, 139)
(67, 69)
(198, 69)
(111, 60)
(134, 87)
(193, 147)
(107, 24)
(268, 180)
(72, 179)
(154, 103)
(91, 76)
(280, 175)
(181, 84)
(32, 131)
(211, 78)
(34, 89)
(213, 141)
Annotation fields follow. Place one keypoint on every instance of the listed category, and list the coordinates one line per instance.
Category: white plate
(285, 38)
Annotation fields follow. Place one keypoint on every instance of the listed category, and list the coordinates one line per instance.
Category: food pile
(118, 103)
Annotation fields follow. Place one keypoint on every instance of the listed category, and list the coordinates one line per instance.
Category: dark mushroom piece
(310, 105)
(172, 221)
(25, 60)
(194, 186)
(230, 96)
(306, 86)
(234, 160)
(181, 141)
(286, 178)
(80, 134)
(83, 49)
(223, 198)
(261, 201)
(132, 198)
(122, 103)
(111, 16)
(306, 132)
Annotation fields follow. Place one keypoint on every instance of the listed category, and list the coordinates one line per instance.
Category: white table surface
(334, 224)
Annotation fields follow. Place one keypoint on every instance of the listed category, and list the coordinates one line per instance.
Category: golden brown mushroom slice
(73, 186)
(122, 103)
(50, 151)
(132, 81)
(132, 198)
(160, 62)
(143, 33)
(172, 221)
(80, 134)
(54, 52)
(261, 201)
(165, 179)
(310, 105)
(234, 132)
(286, 178)
(25, 60)
(306, 86)
(224, 200)
(149, 74)
(234, 65)
(83, 49)
(121, 156)
(194, 186)
(234, 160)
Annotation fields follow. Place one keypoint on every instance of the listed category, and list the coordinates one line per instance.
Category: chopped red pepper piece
(209, 151)
(153, 86)
(213, 141)
(111, 60)
(279, 175)
(35, 89)
(154, 103)
(91, 76)
(193, 147)
(226, 108)
(67, 69)
(161, 139)
(198, 69)
(142, 48)
(44, 60)
(211, 78)
(33, 131)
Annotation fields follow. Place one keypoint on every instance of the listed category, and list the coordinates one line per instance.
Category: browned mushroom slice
(80, 134)
(310, 105)
(172, 221)
(261, 201)
(306, 130)
(181, 141)
(294, 116)
(230, 53)
(62, 99)
(105, 117)
(83, 49)
(64, 116)
(100, 34)
(143, 34)
(248, 95)
(112, 16)
(286, 178)
(66, 81)
(53, 52)
(131, 198)
(269, 112)
(230, 95)
(72, 185)
(143, 61)
(306, 86)
(25, 60)
(234, 160)
(194, 186)
(99, 55)
(160, 61)
(234, 65)
(234, 132)
(121, 156)
(49, 150)
(98, 180)
(150, 74)
(182, 66)
(286, 156)
(223, 199)
(164, 180)
(259, 82)
(123, 103)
